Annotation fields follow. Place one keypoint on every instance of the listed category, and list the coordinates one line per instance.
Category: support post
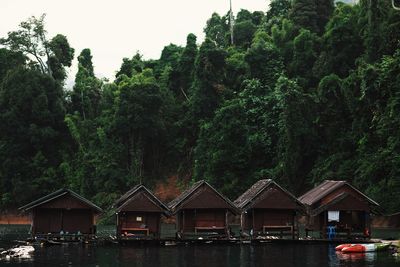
(183, 222)
(33, 230)
(293, 223)
(226, 224)
(62, 219)
(325, 224)
(117, 224)
(253, 225)
(158, 219)
(241, 221)
(177, 224)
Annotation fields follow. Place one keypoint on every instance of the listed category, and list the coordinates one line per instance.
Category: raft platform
(49, 240)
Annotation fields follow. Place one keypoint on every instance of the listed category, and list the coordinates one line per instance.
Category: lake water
(279, 255)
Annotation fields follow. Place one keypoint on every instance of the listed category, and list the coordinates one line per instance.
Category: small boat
(18, 252)
(342, 246)
(354, 248)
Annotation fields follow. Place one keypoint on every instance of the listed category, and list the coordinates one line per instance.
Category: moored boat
(357, 248)
(342, 246)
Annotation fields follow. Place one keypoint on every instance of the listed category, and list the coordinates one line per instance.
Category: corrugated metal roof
(57, 194)
(325, 188)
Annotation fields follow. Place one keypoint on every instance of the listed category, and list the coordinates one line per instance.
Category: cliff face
(14, 217)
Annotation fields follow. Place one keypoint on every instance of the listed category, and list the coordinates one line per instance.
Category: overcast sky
(118, 28)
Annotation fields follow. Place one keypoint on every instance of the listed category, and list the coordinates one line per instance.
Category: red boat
(342, 246)
(357, 248)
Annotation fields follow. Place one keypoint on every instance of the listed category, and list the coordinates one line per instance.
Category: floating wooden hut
(201, 211)
(139, 214)
(62, 214)
(268, 210)
(336, 209)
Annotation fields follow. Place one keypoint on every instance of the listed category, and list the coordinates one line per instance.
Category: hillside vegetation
(309, 90)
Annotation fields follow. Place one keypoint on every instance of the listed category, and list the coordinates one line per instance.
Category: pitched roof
(124, 199)
(125, 196)
(57, 194)
(325, 188)
(184, 194)
(256, 189)
(188, 192)
(252, 192)
(324, 207)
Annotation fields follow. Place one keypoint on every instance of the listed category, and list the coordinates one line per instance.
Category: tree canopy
(307, 91)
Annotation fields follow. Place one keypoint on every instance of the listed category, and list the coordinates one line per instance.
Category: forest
(304, 91)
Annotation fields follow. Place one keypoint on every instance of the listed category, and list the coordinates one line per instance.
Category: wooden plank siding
(354, 208)
(62, 211)
(202, 210)
(139, 214)
(268, 209)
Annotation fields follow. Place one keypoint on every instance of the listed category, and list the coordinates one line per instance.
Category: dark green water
(280, 255)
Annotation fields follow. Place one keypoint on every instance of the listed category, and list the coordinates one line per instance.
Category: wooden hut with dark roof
(62, 213)
(202, 211)
(267, 209)
(336, 209)
(139, 214)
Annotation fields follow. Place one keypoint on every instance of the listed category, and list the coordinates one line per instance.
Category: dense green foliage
(308, 91)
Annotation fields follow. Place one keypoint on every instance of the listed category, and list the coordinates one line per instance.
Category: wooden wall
(190, 219)
(268, 217)
(150, 220)
(354, 201)
(55, 220)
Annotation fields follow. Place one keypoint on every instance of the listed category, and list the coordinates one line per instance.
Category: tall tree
(243, 33)
(238, 146)
(304, 14)
(50, 56)
(10, 60)
(208, 87)
(305, 52)
(283, 35)
(278, 9)
(296, 135)
(186, 65)
(265, 62)
(131, 66)
(324, 10)
(32, 135)
(86, 93)
(342, 43)
(217, 29)
(137, 123)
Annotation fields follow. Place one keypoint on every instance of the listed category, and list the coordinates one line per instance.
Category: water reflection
(233, 255)
(368, 257)
(280, 255)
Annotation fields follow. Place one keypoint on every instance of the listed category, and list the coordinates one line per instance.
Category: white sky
(118, 28)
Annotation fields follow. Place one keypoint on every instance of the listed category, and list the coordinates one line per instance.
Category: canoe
(357, 248)
(342, 246)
